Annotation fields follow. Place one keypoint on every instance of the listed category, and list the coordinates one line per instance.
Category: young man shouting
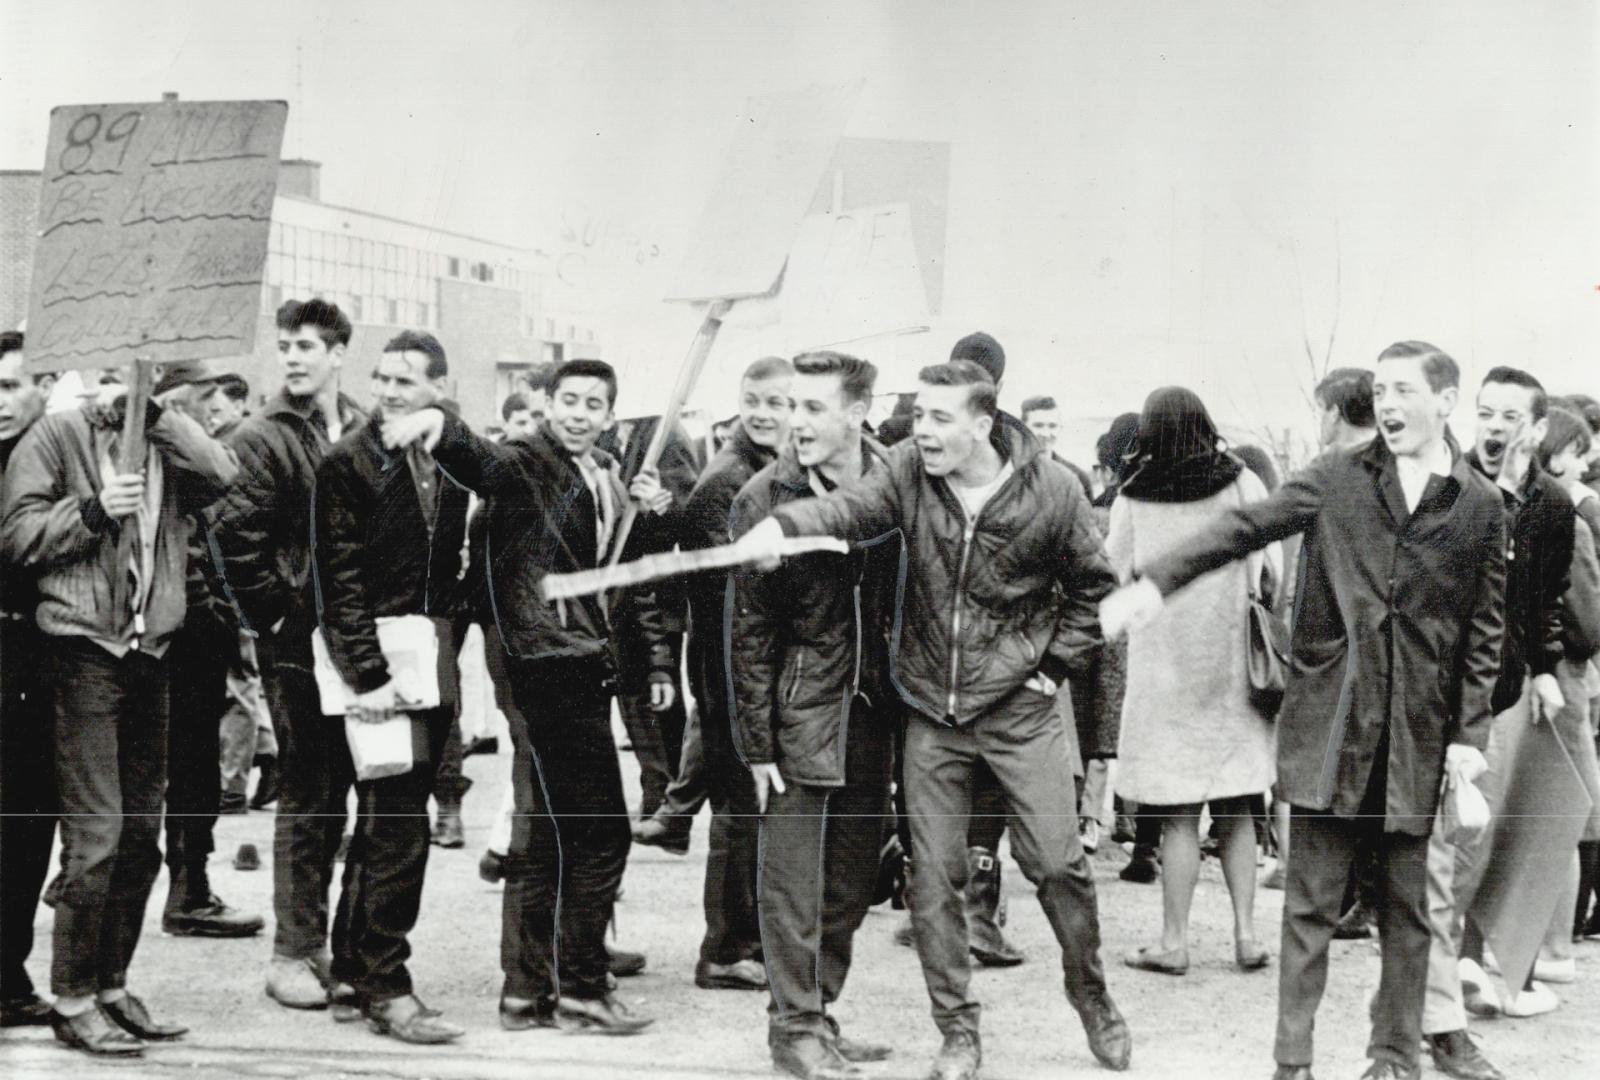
(1005, 568)
(814, 709)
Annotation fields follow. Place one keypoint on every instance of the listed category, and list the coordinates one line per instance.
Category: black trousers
(111, 772)
(570, 836)
(1323, 849)
(314, 781)
(381, 895)
(27, 795)
(200, 656)
(733, 931)
(818, 868)
(657, 737)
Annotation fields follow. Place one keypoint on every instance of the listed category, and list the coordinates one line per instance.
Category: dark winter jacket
(539, 518)
(707, 521)
(1538, 569)
(262, 528)
(1397, 631)
(993, 601)
(804, 640)
(390, 533)
(54, 526)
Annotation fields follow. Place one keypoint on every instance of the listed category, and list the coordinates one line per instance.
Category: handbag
(1266, 644)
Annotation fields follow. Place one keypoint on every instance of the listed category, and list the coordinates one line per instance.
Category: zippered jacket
(539, 518)
(989, 602)
(389, 531)
(806, 639)
(261, 529)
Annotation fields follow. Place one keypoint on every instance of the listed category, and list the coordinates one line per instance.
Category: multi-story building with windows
(485, 301)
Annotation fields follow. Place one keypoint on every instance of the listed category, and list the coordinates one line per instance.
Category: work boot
(810, 1057)
(266, 785)
(447, 827)
(193, 910)
(1107, 1032)
(958, 1058)
(1143, 868)
(986, 912)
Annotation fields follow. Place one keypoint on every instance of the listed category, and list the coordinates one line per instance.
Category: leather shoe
(233, 802)
(653, 832)
(211, 919)
(1456, 1054)
(129, 1013)
(30, 1011)
(524, 1014)
(1109, 1039)
(958, 1058)
(1390, 1070)
(599, 1016)
(1143, 868)
(409, 1020)
(623, 964)
(1292, 1072)
(743, 975)
(94, 1033)
(295, 982)
(808, 1057)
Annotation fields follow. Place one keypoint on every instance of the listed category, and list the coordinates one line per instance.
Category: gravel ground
(1213, 1023)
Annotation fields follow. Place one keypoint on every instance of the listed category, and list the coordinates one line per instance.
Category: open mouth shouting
(1494, 449)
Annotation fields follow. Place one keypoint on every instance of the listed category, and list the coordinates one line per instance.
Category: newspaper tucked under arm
(672, 564)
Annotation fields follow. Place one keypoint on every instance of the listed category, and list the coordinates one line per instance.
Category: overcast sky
(1140, 192)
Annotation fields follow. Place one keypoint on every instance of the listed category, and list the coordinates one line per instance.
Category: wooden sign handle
(141, 379)
(688, 374)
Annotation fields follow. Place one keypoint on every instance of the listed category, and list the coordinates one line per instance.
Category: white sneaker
(1536, 1002)
(1556, 971)
(1477, 992)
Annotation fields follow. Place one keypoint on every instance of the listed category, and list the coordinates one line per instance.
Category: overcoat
(1397, 636)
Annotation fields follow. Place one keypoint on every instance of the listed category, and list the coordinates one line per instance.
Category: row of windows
(315, 246)
(361, 309)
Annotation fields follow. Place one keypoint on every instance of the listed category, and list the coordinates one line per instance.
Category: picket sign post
(130, 459)
(688, 374)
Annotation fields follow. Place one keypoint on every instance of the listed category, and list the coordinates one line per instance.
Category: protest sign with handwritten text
(153, 224)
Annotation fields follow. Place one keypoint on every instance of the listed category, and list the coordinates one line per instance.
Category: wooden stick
(671, 564)
(688, 375)
(141, 378)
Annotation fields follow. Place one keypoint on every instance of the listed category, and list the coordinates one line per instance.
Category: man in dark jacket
(390, 531)
(1512, 410)
(1005, 570)
(813, 718)
(77, 521)
(1395, 657)
(731, 948)
(27, 783)
(553, 506)
(263, 535)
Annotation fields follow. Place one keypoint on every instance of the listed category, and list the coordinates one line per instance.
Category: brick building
(484, 300)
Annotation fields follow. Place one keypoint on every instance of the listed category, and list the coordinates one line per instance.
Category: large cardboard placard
(153, 224)
(767, 180)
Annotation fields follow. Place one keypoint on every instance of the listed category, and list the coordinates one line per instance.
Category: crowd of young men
(951, 653)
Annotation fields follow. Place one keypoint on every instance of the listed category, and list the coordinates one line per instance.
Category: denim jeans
(315, 776)
(111, 772)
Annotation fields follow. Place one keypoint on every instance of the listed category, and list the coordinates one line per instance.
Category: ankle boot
(985, 912)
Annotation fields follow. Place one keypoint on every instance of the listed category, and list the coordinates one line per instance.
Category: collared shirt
(1415, 473)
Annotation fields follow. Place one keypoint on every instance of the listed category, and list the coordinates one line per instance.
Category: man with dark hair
(982, 349)
(382, 526)
(1345, 397)
(996, 637)
(262, 530)
(813, 718)
(27, 783)
(1396, 650)
(518, 417)
(67, 504)
(1512, 409)
(732, 940)
(569, 842)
